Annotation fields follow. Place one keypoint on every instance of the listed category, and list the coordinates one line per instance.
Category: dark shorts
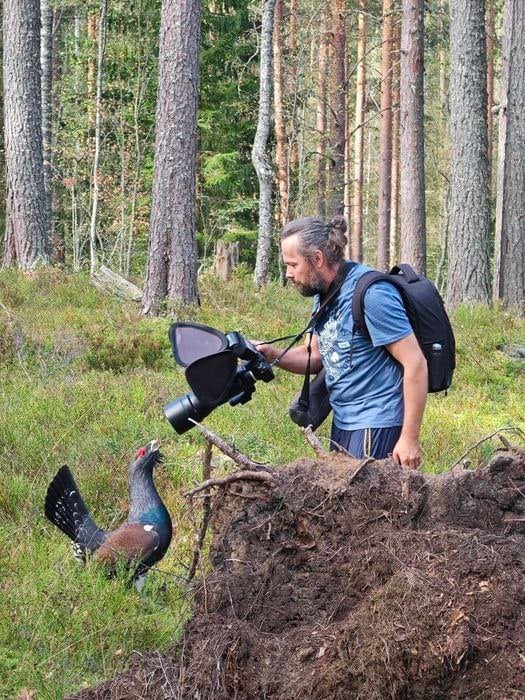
(367, 442)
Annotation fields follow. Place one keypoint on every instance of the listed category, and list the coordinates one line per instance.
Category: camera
(219, 368)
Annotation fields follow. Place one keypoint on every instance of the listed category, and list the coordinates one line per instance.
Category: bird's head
(147, 457)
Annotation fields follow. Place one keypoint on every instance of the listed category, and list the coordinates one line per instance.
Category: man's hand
(407, 452)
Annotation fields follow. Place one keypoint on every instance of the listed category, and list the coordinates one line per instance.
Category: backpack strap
(358, 309)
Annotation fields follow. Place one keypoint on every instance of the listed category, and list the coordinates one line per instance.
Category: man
(377, 385)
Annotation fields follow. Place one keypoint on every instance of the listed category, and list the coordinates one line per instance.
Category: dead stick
(314, 442)
(206, 513)
(509, 428)
(229, 450)
(244, 475)
(360, 466)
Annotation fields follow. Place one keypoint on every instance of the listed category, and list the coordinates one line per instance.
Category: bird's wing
(132, 541)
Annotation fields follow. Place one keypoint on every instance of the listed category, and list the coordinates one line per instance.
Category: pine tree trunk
(356, 242)
(468, 272)
(46, 64)
(509, 264)
(260, 157)
(320, 126)
(27, 223)
(93, 237)
(293, 87)
(412, 149)
(337, 104)
(172, 256)
(385, 148)
(490, 85)
(394, 211)
(281, 143)
(443, 39)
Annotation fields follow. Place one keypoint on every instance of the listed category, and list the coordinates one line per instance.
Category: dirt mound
(339, 582)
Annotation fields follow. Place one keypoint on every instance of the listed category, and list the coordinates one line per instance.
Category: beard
(312, 286)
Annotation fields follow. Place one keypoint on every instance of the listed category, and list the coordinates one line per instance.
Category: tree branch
(229, 450)
(246, 475)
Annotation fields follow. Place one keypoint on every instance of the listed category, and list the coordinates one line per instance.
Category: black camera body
(220, 368)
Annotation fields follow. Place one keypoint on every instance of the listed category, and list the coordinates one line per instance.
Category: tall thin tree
(320, 124)
(281, 141)
(412, 148)
(509, 263)
(260, 157)
(385, 148)
(26, 241)
(337, 108)
(468, 243)
(356, 240)
(490, 84)
(394, 205)
(172, 256)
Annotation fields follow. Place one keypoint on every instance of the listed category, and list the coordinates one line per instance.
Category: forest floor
(84, 378)
(349, 580)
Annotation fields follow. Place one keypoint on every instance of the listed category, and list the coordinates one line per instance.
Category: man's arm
(415, 387)
(295, 359)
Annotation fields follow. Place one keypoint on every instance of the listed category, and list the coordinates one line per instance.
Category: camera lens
(180, 410)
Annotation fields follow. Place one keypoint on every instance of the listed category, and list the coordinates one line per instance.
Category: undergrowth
(84, 379)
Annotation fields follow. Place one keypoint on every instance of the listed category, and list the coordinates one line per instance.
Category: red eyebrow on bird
(141, 452)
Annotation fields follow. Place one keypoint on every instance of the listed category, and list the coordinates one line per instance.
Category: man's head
(313, 252)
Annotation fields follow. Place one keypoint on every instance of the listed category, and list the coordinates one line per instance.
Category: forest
(152, 151)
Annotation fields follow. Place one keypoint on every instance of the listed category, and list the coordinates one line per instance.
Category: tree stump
(226, 258)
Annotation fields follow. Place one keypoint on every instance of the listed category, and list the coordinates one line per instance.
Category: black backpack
(426, 312)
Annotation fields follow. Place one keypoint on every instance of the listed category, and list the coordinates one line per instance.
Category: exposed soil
(390, 584)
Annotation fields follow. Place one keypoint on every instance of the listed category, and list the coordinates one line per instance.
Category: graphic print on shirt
(334, 361)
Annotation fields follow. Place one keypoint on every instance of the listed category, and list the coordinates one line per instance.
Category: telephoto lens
(181, 410)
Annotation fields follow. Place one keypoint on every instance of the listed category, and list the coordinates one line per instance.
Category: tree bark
(281, 143)
(468, 245)
(412, 148)
(385, 147)
(46, 64)
(27, 221)
(509, 264)
(293, 86)
(356, 242)
(490, 85)
(172, 255)
(260, 158)
(93, 255)
(320, 125)
(394, 210)
(337, 109)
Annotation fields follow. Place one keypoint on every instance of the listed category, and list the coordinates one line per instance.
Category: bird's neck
(143, 495)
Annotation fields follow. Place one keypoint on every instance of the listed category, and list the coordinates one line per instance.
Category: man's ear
(318, 259)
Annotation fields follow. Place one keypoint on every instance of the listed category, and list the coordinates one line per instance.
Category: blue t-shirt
(364, 382)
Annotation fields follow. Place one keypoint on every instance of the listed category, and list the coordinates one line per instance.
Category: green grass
(83, 380)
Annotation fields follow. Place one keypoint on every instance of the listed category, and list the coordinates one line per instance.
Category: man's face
(300, 271)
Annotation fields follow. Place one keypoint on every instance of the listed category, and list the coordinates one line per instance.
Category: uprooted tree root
(338, 579)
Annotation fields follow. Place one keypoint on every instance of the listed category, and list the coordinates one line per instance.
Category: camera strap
(331, 293)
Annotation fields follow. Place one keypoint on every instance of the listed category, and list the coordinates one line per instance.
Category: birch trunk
(260, 157)
(490, 86)
(394, 211)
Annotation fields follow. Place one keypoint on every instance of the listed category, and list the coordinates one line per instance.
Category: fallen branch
(314, 442)
(360, 466)
(265, 477)
(509, 428)
(206, 513)
(229, 450)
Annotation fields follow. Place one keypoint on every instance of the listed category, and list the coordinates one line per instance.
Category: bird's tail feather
(65, 508)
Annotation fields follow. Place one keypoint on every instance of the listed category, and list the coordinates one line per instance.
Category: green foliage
(67, 399)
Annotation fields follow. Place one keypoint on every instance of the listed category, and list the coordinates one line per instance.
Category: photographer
(377, 385)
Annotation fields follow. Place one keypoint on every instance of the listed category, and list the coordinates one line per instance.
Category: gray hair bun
(337, 235)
